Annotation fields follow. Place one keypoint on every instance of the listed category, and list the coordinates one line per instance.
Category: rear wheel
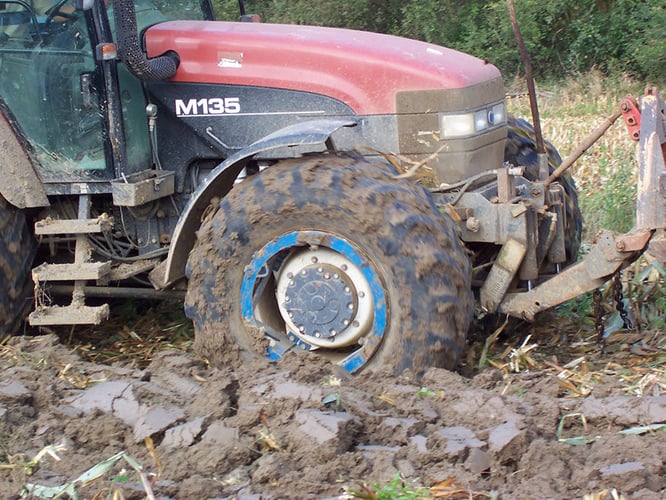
(17, 250)
(521, 150)
(335, 256)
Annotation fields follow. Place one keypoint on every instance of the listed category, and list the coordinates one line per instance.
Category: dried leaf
(447, 488)
(92, 474)
(490, 341)
(387, 399)
(153, 453)
(642, 429)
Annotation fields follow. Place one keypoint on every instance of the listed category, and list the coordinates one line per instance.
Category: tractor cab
(81, 113)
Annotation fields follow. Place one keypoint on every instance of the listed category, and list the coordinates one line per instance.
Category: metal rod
(578, 152)
(534, 107)
(121, 292)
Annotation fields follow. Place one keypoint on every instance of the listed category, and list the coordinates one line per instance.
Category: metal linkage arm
(607, 256)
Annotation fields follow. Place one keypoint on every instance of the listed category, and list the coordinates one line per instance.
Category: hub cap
(324, 299)
(316, 291)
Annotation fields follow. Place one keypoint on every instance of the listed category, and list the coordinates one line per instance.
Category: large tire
(307, 239)
(17, 250)
(521, 150)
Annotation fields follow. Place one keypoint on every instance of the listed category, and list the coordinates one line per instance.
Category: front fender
(301, 134)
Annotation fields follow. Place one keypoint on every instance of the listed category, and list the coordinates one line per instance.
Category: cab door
(48, 81)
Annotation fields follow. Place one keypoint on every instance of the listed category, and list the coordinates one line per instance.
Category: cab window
(46, 69)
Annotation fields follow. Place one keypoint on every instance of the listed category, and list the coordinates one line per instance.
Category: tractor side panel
(211, 122)
(231, 117)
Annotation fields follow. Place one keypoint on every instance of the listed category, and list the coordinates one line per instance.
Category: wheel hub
(324, 299)
(319, 301)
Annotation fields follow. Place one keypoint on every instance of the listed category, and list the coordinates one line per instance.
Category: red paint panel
(364, 70)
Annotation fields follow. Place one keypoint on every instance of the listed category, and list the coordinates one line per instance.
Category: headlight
(464, 124)
(456, 125)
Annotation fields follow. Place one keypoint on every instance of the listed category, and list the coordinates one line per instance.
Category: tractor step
(79, 271)
(73, 226)
(69, 315)
(71, 272)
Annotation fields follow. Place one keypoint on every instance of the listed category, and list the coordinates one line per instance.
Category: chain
(599, 317)
(619, 300)
(618, 297)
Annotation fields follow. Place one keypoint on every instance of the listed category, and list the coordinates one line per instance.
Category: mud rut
(302, 429)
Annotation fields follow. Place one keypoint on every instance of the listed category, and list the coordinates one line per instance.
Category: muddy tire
(521, 150)
(335, 256)
(17, 250)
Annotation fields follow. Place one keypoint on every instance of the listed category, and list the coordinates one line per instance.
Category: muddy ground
(526, 425)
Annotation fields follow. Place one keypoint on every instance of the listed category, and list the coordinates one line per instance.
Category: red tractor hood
(364, 70)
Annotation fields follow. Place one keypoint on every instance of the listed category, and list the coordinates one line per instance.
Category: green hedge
(564, 37)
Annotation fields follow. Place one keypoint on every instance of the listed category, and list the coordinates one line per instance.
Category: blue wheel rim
(266, 256)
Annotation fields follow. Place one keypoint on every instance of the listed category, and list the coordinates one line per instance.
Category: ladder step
(69, 315)
(71, 272)
(74, 226)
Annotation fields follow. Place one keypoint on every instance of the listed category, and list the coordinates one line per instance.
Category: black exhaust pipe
(130, 51)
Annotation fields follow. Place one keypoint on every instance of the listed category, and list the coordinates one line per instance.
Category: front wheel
(334, 256)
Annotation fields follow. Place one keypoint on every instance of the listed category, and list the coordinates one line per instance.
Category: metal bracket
(651, 203)
(501, 274)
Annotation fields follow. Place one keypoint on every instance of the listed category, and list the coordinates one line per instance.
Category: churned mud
(527, 425)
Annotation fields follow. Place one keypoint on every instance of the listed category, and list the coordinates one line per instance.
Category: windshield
(182, 9)
(149, 12)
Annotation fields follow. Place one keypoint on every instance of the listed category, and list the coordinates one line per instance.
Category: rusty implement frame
(605, 258)
(613, 252)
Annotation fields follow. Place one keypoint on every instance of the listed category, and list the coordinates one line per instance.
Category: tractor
(269, 178)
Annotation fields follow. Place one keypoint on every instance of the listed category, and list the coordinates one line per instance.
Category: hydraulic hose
(129, 48)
